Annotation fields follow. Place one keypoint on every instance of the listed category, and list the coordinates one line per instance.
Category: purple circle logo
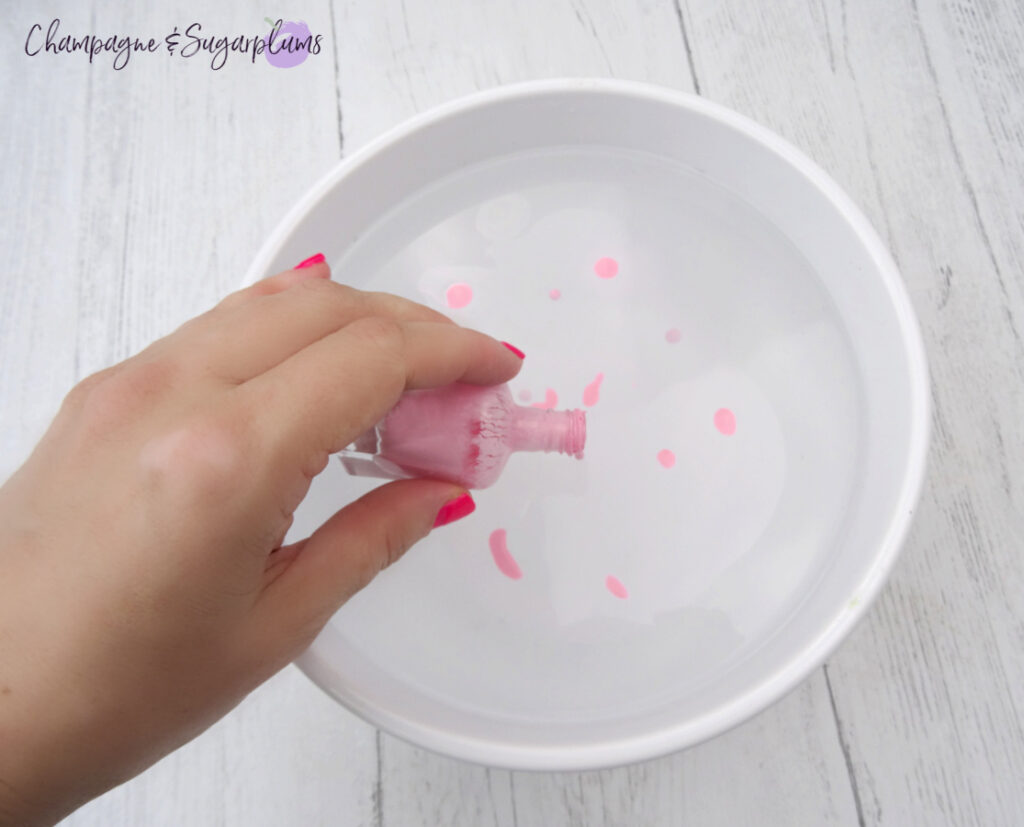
(287, 44)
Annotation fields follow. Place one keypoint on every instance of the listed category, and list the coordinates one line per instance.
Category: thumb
(310, 580)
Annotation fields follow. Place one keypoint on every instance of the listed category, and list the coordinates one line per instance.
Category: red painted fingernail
(309, 262)
(515, 350)
(455, 510)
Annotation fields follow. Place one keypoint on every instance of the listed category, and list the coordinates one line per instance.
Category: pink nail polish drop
(503, 558)
(461, 433)
(606, 268)
(592, 392)
(459, 295)
(673, 336)
(725, 421)
(555, 294)
(614, 585)
(550, 400)
(666, 458)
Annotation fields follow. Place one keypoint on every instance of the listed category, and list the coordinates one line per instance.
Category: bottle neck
(534, 429)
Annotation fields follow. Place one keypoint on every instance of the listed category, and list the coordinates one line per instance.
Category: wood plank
(42, 190)
(947, 639)
(928, 690)
(782, 767)
(399, 58)
(287, 755)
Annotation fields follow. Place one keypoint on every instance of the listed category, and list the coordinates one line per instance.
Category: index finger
(327, 394)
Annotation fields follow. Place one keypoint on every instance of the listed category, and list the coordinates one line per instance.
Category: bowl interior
(740, 343)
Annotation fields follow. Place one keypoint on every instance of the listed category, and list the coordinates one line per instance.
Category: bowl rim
(787, 675)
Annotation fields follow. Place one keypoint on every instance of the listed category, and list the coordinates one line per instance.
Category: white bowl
(747, 561)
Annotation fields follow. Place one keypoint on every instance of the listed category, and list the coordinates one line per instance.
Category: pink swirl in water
(503, 559)
(725, 421)
(606, 268)
(459, 295)
(614, 585)
(592, 392)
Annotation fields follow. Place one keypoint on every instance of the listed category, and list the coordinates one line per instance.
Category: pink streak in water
(606, 268)
(505, 562)
(459, 295)
(550, 400)
(614, 585)
(666, 458)
(525, 395)
(555, 294)
(673, 336)
(725, 421)
(592, 392)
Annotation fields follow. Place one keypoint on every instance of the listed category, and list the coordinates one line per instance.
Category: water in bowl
(723, 440)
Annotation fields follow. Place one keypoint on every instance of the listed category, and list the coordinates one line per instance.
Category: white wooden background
(132, 200)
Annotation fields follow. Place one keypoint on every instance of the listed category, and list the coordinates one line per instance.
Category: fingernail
(309, 262)
(455, 510)
(515, 350)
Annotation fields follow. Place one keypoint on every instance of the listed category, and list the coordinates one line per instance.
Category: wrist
(16, 809)
(33, 793)
(41, 770)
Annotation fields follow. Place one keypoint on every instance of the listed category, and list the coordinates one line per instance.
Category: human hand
(145, 591)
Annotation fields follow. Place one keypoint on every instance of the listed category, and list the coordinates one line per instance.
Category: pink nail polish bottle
(461, 433)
